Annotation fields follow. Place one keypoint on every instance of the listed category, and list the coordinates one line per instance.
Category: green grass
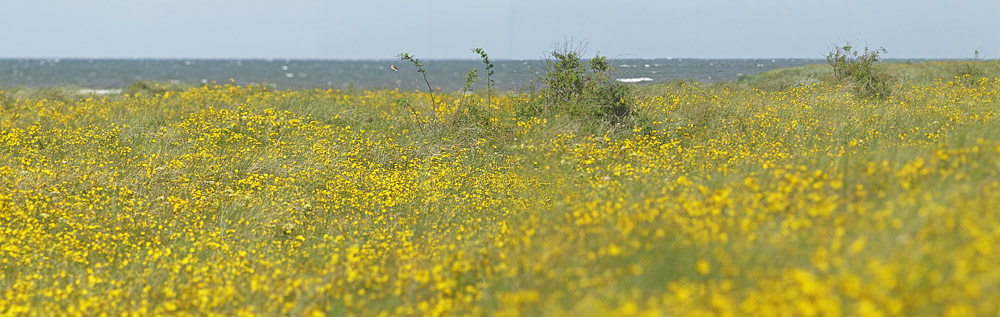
(798, 196)
(909, 73)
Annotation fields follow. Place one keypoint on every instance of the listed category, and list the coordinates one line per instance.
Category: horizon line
(270, 59)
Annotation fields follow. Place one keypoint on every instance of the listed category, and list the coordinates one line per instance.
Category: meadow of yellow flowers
(243, 200)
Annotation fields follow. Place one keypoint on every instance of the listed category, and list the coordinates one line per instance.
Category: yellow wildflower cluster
(229, 200)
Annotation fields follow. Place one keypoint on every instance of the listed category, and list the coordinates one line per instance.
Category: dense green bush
(857, 70)
(608, 98)
(564, 77)
(571, 87)
(154, 88)
(969, 72)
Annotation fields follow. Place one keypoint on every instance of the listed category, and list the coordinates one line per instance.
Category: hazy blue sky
(371, 29)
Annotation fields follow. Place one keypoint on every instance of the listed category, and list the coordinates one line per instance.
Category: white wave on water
(634, 80)
(100, 91)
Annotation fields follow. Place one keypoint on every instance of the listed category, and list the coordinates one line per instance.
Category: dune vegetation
(782, 193)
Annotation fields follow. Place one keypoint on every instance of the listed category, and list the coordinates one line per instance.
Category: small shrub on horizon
(609, 98)
(858, 69)
(564, 76)
(570, 85)
(154, 88)
(970, 72)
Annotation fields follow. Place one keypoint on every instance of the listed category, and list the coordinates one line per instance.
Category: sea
(110, 75)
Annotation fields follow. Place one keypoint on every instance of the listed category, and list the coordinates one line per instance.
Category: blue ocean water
(449, 75)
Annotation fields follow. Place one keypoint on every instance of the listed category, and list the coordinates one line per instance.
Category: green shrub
(489, 71)
(611, 100)
(564, 76)
(470, 79)
(154, 88)
(969, 72)
(857, 70)
(608, 98)
(572, 88)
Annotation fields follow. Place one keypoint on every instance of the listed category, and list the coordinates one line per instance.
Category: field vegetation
(782, 193)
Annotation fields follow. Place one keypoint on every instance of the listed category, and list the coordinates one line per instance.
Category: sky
(512, 29)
